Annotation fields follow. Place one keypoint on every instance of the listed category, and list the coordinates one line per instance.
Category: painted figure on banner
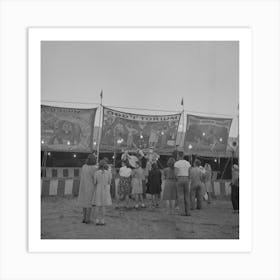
(131, 132)
(65, 131)
(119, 131)
(163, 136)
(154, 135)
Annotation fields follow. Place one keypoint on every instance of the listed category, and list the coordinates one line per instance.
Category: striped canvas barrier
(59, 187)
(70, 186)
(61, 172)
(221, 188)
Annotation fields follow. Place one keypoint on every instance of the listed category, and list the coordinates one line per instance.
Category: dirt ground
(61, 219)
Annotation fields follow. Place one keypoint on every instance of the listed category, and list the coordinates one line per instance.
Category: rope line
(84, 103)
(142, 109)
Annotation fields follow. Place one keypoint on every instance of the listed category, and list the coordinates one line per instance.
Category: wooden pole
(183, 114)
(99, 125)
(44, 164)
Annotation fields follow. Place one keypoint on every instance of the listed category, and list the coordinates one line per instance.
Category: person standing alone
(182, 167)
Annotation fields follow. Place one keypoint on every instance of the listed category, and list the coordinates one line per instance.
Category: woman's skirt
(170, 190)
(208, 186)
(102, 196)
(137, 187)
(124, 186)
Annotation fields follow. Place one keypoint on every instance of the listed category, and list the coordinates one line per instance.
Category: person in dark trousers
(196, 177)
(235, 188)
(182, 167)
(154, 184)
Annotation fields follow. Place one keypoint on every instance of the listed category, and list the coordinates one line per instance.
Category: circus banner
(122, 130)
(67, 129)
(206, 135)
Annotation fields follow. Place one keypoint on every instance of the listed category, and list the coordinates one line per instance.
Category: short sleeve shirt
(182, 167)
(125, 172)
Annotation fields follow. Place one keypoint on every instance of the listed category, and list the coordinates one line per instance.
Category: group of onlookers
(184, 189)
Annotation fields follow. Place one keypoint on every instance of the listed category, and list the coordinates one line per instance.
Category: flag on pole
(182, 101)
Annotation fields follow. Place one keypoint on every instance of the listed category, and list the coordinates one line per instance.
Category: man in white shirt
(182, 173)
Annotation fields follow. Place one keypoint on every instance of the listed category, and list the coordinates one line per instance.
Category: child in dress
(137, 185)
(102, 196)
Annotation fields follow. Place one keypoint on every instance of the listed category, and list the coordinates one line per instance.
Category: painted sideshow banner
(67, 129)
(206, 135)
(122, 130)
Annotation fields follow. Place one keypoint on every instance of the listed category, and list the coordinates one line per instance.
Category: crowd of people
(180, 186)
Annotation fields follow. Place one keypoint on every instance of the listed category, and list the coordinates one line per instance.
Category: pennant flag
(67, 129)
(206, 135)
(121, 130)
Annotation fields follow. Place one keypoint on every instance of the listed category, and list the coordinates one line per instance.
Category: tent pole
(228, 161)
(44, 164)
(183, 114)
(99, 126)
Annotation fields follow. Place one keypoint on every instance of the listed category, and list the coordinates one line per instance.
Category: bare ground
(61, 219)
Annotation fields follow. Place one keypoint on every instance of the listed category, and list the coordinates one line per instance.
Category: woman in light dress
(87, 188)
(137, 184)
(102, 197)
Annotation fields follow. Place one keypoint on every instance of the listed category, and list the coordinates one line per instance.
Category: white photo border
(242, 35)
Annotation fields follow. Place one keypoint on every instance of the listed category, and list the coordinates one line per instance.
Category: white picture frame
(242, 35)
(261, 261)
